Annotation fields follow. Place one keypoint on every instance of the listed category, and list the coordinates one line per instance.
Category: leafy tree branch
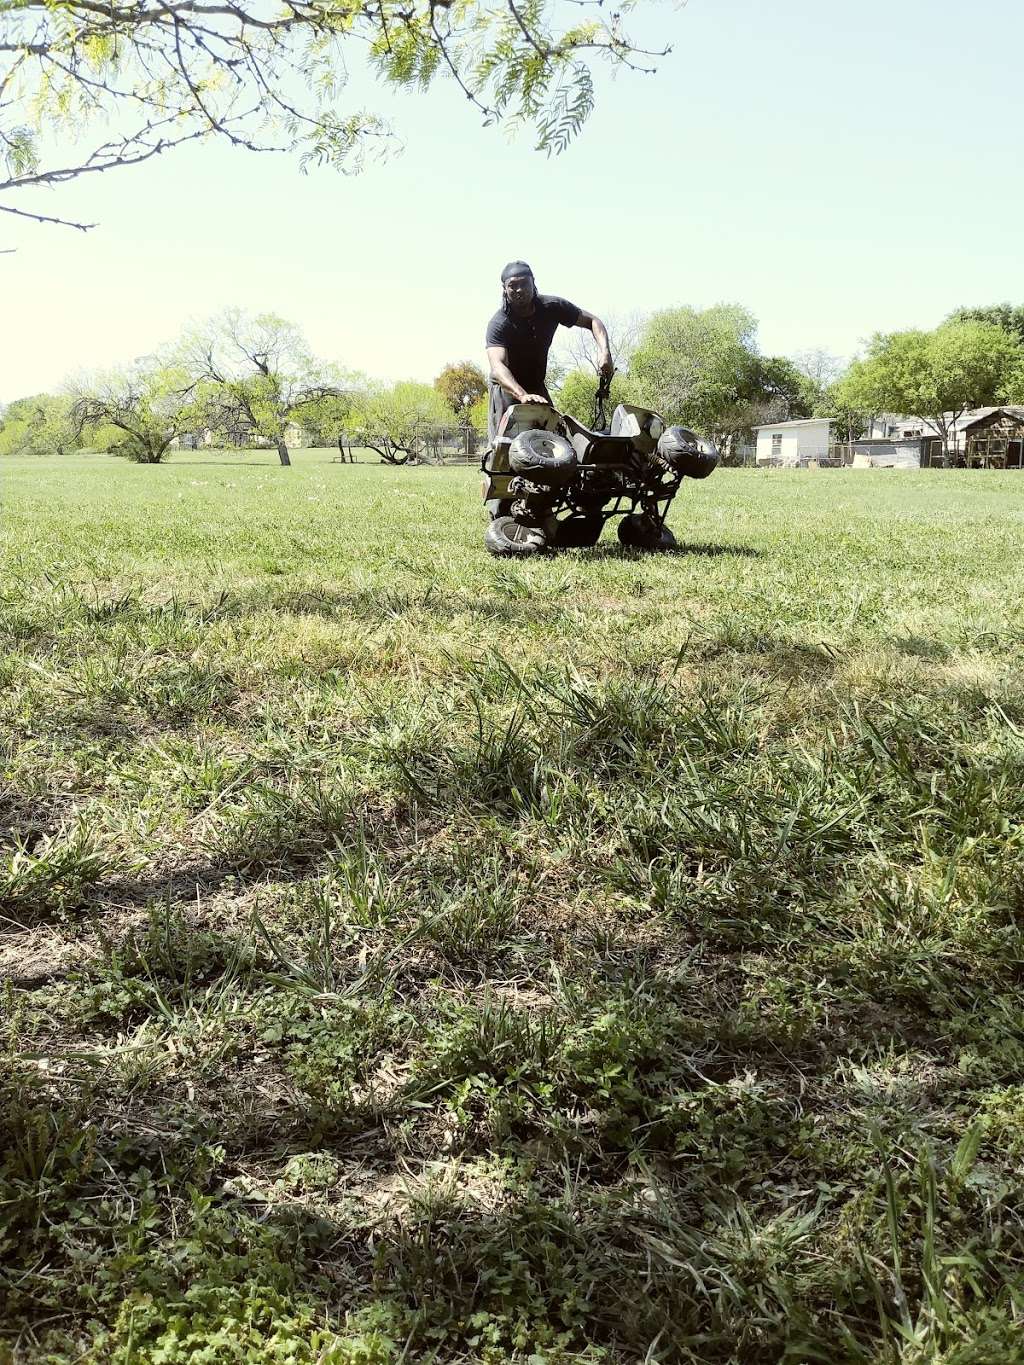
(270, 77)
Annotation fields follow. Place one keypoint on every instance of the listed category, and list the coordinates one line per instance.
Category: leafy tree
(252, 372)
(693, 366)
(1005, 315)
(577, 394)
(401, 423)
(780, 388)
(461, 385)
(326, 416)
(1011, 390)
(154, 74)
(16, 435)
(849, 423)
(1010, 318)
(702, 368)
(41, 425)
(148, 403)
(477, 416)
(936, 375)
(768, 389)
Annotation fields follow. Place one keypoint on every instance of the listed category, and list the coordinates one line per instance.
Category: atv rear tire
(510, 539)
(577, 533)
(542, 456)
(638, 532)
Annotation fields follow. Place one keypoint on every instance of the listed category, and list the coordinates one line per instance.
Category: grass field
(414, 956)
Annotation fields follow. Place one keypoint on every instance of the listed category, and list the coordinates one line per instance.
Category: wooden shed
(986, 438)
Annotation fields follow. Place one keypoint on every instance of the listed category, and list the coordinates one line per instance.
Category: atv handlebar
(604, 388)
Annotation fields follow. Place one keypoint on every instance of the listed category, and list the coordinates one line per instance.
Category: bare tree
(153, 74)
(579, 348)
(820, 367)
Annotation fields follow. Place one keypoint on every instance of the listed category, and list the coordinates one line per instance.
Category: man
(519, 337)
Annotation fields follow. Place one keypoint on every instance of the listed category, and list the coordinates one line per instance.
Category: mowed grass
(414, 956)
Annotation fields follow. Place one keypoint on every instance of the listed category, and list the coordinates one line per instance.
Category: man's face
(519, 292)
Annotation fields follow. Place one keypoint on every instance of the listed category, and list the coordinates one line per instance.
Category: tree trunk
(151, 449)
(946, 434)
(282, 451)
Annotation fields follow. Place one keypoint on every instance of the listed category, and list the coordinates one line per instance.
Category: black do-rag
(515, 268)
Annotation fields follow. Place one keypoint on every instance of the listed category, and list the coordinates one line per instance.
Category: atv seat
(598, 447)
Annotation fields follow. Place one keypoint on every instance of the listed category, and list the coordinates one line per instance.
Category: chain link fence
(433, 445)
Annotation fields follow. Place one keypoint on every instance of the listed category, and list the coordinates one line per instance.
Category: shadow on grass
(678, 1174)
(219, 463)
(66, 898)
(386, 604)
(616, 1244)
(921, 647)
(710, 550)
(713, 551)
(182, 883)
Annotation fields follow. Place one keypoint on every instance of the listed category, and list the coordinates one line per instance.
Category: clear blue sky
(837, 168)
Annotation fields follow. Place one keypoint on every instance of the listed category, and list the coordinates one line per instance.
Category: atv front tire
(542, 456)
(510, 539)
(577, 533)
(638, 532)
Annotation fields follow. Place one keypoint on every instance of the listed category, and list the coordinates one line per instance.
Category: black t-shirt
(528, 340)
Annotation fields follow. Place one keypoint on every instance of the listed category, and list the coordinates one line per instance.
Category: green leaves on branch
(21, 154)
(160, 73)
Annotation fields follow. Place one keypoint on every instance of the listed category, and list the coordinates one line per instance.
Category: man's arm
(498, 357)
(594, 325)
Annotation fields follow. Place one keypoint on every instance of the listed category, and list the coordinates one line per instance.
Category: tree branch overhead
(160, 73)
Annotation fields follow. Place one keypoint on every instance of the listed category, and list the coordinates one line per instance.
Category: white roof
(972, 415)
(801, 422)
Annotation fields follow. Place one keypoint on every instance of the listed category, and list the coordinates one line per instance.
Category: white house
(793, 443)
(295, 435)
(892, 426)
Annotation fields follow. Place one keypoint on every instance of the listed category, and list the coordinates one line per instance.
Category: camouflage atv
(550, 483)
